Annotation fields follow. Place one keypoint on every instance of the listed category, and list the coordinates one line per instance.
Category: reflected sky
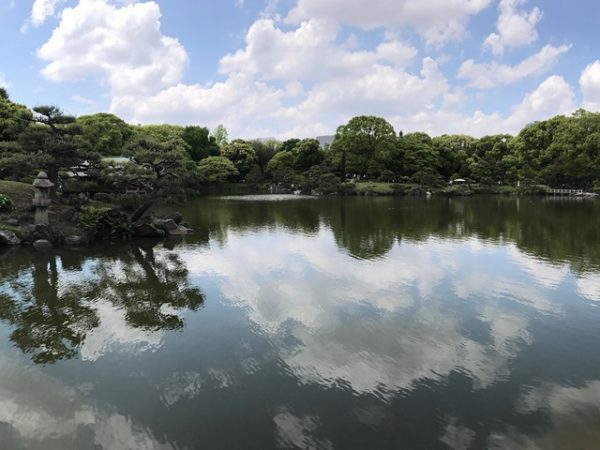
(303, 327)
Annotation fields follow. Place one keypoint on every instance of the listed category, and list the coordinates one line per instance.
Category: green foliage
(328, 184)
(363, 145)
(55, 142)
(387, 176)
(264, 151)
(170, 136)
(200, 144)
(241, 154)
(106, 133)
(307, 154)
(220, 136)
(454, 151)
(6, 203)
(289, 145)
(310, 179)
(280, 168)
(14, 118)
(255, 177)
(217, 169)
(106, 222)
(163, 159)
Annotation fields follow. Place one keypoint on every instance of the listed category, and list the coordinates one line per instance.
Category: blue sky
(302, 67)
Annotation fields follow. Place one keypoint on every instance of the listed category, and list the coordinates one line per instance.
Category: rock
(42, 244)
(179, 231)
(170, 225)
(177, 218)
(12, 222)
(40, 232)
(9, 238)
(75, 241)
(147, 230)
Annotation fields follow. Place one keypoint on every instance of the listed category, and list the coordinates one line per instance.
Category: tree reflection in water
(50, 300)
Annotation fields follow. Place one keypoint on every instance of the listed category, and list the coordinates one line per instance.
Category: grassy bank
(21, 194)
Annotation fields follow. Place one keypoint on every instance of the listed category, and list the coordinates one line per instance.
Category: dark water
(313, 323)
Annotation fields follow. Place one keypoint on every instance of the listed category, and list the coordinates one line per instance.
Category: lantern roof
(42, 181)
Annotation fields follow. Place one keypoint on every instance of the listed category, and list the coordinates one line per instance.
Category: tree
(168, 135)
(14, 118)
(56, 140)
(217, 169)
(280, 168)
(241, 154)
(419, 155)
(106, 133)
(307, 153)
(454, 151)
(289, 145)
(265, 150)
(158, 164)
(200, 144)
(220, 135)
(363, 142)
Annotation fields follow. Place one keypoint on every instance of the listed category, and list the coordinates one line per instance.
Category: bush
(106, 222)
(328, 184)
(6, 203)
(387, 176)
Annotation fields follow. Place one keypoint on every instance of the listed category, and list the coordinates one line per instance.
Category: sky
(301, 68)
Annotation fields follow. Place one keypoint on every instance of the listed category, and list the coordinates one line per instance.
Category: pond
(331, 323)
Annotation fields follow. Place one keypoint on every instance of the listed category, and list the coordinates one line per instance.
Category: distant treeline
(104, 150)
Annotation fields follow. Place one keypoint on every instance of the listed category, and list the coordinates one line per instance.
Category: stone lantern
(41, 198)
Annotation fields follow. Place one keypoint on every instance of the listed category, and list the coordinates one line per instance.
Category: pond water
(312, 323)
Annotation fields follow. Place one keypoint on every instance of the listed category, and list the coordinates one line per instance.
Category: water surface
(312, 323)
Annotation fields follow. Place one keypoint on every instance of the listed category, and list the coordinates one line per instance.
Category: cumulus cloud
(342, 82)
(590, 86)
(515, 27)
(123, 46)
(493, 74)
(553, 96)
(237, 102)
(308, 52)
(42, 9)
(438, 21)
(294, 77)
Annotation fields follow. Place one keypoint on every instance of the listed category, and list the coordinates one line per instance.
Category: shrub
(328, 184)
(6, 203)
(106, 222)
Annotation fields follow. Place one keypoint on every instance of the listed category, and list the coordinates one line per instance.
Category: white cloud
(42, 9)
(239, 102)
(289, 79)
(308, 52)
(553, 96)
(590, 86)
(515, 27)
(123, 46)
(493, 74)
(438, 21)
